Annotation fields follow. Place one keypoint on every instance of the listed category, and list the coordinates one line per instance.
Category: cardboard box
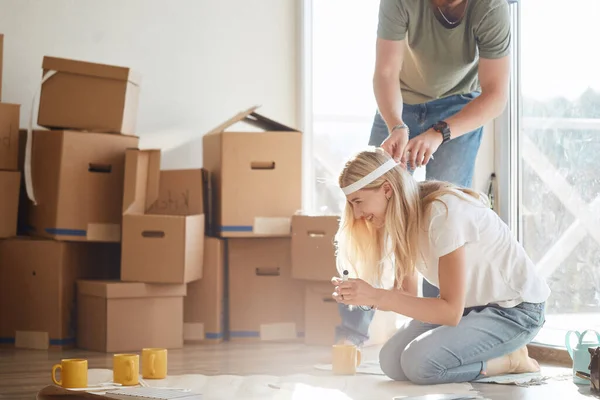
(161, 248)
(78, 185)
(9, 136)
(88, 96)
(321, 314)
(10, 185)
(204, 305)
(313, 247)
(37, 287)
(265, 303)
(117, 316)
(256, 176)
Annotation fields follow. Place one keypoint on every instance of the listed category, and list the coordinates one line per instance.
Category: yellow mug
(346, 358)
(73, 373)
(126, 369)
(154, 363)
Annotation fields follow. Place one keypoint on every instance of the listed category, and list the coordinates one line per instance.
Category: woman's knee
(389, 361)
(419, 366)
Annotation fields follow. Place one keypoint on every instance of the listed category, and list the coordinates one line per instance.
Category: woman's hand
(354, 292)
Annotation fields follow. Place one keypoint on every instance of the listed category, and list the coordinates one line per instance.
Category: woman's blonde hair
(364, 249)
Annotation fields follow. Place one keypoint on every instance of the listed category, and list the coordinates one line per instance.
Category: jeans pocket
(469, 96)
(535, 311)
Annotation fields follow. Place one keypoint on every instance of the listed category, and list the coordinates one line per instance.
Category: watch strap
(444, 130)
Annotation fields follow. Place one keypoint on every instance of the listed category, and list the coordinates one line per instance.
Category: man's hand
(354, 292)
(395, 145)
(420, 148)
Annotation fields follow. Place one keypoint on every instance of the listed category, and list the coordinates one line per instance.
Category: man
(441, 72)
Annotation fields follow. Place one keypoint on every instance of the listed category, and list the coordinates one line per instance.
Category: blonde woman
(491, 302)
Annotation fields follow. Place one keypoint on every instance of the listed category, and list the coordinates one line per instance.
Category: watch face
(441, 126)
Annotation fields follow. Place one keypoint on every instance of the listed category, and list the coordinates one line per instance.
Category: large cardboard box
(88, 96)
(322, 314)
(117, 316)
(78, 185)
(167, 246)
(313, 247)
(37, 287)
(256, 176)
(9, 136)
(10, 182)
(265, 303)
(204, 306)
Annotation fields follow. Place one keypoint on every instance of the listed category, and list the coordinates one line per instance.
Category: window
(549, 171)
(342, 103)
(559, 162)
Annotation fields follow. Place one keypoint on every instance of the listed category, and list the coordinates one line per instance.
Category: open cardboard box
(166, 246)
(256, 176)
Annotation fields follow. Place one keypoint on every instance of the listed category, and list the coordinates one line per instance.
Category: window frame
(305, 117)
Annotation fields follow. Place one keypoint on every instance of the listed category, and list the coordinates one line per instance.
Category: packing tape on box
(104, 232)
(29, 144)
(272, 225)
(32, 340)
(278, 331)
(193, 331)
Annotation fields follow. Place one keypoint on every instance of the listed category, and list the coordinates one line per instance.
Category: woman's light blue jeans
(453, 161)
(430, 354)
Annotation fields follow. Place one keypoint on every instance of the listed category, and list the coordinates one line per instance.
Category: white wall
(202, 60)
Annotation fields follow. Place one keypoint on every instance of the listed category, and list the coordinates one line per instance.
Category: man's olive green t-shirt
(441, 61)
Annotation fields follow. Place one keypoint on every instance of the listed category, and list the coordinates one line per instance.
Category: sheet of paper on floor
(530, 379)
(292, 387)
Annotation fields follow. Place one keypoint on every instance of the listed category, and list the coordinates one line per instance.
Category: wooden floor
(24, 372)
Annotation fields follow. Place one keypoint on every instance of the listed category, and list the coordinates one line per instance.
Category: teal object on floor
(580, 354)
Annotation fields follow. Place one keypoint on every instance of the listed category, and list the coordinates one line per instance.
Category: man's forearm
(386, 88)
(477, 113)
(430, 310)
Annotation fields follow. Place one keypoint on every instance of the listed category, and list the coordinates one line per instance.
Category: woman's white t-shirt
(498, 270)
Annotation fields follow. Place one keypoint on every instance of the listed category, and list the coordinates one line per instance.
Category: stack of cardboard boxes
(255, 188)
(277, 264)
(115, 254)
(313, 261)
(89, 267)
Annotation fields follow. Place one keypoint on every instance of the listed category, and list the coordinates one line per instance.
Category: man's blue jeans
(453, 162)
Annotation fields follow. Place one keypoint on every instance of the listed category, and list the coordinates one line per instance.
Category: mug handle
(130, 370)
(568, 342)
(358, 357)
(54, 369)
(152, 368)
(586, 331)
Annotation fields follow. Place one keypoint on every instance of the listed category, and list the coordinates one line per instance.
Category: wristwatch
(443, 128)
